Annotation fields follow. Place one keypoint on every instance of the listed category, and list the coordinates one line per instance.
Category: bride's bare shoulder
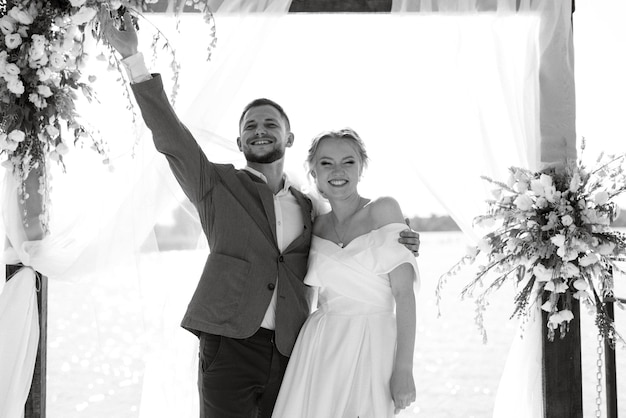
(385, 210)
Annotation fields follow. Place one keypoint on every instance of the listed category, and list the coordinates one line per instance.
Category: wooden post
(610, 367)
(562, 370)
(36, 403)
(31, 208)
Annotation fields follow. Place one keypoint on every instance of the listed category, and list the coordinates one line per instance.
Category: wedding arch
(538, 106)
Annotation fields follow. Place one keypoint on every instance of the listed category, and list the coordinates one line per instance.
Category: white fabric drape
(510, 137)
(102, 223)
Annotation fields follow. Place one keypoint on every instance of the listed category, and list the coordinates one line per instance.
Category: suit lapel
(267, 199)
(258, 202)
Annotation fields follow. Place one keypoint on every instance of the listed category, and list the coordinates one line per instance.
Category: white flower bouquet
(551, 236)
(42, 56)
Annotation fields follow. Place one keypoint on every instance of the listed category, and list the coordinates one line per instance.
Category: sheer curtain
(509, 135)
(481, 119)
(103, 217)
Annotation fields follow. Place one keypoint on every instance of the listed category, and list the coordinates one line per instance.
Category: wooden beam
(344, 6)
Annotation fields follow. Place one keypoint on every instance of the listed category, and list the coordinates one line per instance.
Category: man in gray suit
(250, 301)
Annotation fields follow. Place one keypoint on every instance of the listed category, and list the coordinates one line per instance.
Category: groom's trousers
(239, 378)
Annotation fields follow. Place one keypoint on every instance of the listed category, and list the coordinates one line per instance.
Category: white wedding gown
(342, 361)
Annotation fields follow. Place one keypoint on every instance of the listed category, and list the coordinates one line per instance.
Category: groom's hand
(123, 40)
(410, 239)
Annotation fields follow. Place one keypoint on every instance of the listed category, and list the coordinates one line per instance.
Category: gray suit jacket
(237, 215)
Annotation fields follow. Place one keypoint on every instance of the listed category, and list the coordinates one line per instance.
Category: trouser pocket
(209, 349)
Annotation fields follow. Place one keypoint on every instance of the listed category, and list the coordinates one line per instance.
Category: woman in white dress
(354, 355)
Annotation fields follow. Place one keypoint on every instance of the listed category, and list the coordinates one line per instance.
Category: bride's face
(337, 167)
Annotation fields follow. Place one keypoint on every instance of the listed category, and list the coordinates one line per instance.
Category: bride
(354, 355)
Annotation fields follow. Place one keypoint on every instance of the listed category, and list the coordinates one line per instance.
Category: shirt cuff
(136, 68)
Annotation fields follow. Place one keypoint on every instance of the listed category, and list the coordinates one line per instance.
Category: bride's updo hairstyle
(346, 134)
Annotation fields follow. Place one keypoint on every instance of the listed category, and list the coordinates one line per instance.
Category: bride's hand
(124, 41)
(402, 389)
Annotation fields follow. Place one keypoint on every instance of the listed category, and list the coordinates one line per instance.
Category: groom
(250, 301)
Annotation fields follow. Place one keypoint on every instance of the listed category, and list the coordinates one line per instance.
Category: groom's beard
(273, 155)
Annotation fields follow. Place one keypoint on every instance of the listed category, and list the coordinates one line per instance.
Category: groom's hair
(265, 102)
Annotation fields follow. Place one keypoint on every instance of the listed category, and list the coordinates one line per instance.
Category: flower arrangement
(42, 56)
(551, 236)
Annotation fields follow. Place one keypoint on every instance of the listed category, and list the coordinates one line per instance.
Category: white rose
(17, 136)
(556, 286)
(12, 69)
(581, 294)
(601, 198)
(580, 284)
(523, 202)
(37, 47)
(37, 100)
(7, 24)
(484, 246)
(12, 40)
(558, 240)
(15, 86)
(537, 187)
(62, 149)
(567, 220)
(520, 187)
(21, 16)
(606, 248)
(512, 243)
(567, 255)
(44, 90)
(35, 54)
(567, 315)
(77, 3)
(570, 270)
(542, 274)
(44, 74)
(545, 180)
(52, 131)
(6, 144)
(84, 15)
(471, 251)
(542, 202)
(547, 306)
(588, 260)
(57, 61)
(38, 41)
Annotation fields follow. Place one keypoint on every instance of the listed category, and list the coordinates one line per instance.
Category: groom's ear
(239, 143)
(290, 138)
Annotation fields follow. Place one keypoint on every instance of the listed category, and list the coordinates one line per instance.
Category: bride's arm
(402, 382)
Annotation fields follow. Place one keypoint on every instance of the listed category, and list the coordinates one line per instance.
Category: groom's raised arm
(171, 137)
